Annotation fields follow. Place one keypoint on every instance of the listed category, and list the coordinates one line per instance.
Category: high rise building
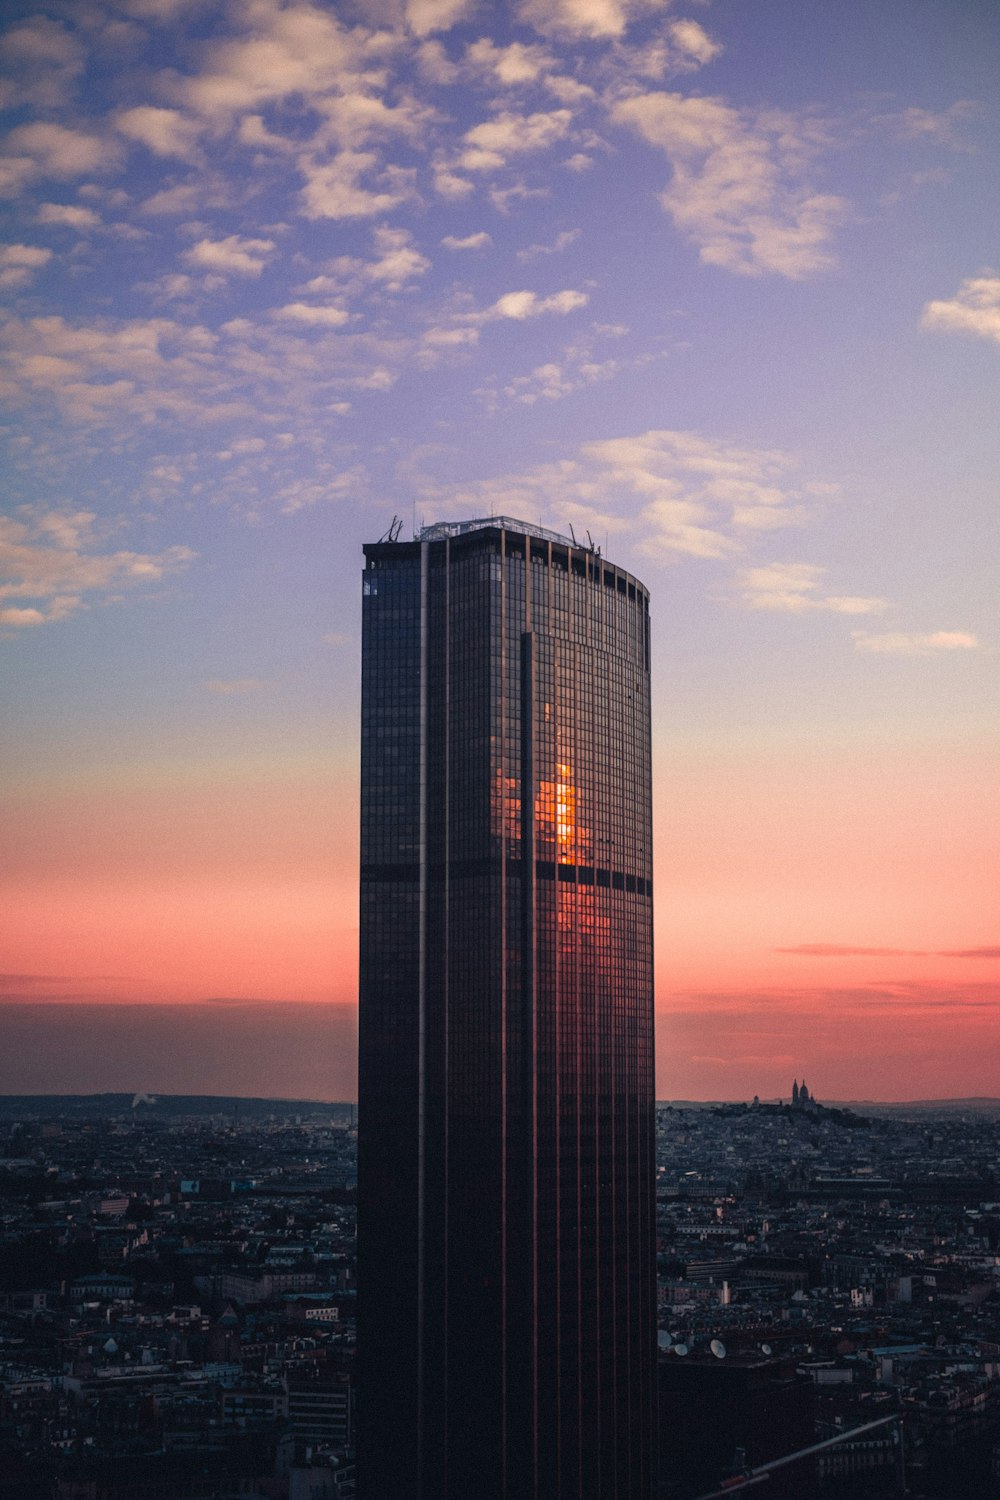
(506, 1269)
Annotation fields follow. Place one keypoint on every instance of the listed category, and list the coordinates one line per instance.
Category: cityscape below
(178, 1294)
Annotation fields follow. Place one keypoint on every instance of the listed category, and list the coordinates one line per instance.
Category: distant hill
(985, 1102)
(94, 1106)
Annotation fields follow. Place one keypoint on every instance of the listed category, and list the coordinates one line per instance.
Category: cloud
(584, 18)
(902, 643)
(512, 65)
(793, 588)
(478, 241)
(975, 309)
(694, 41)
(50, 564)
(109, 372)
(165, 132)
(516, 307)
(321, 317)
(937, 126)
(334, 189)
(45, 149)
(737, 189)
(44, 61)
(489, 145)
(300, 49)
(18, 263)
(68, 215)
(680, 492)
(561, 242)
(522, 305)
(242, 257)
(551, 382)
(395, 264)
(426, 16)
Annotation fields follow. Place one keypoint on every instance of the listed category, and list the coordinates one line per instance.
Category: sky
(718, 283)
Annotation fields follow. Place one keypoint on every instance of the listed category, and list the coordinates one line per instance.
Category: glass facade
(506, 1173)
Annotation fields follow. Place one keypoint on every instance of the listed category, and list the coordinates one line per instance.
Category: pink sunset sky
(716, 283)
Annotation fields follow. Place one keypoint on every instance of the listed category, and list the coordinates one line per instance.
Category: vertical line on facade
(445, 971)
(529, 1093)
(422, 1021)
(503, 792)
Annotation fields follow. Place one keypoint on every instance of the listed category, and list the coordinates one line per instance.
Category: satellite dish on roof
(664, 1339)
(766, 1349)
(680, 1349)
(718, 1348)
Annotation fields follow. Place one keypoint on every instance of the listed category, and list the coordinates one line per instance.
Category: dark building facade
(506, 1278)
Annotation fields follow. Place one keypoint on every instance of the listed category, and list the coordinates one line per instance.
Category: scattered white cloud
(901, 643)
(51, 564)
(300, 50)
(694, 42)
(46, 149)
(939, 127)
(243, 257)
(317, 316)
(478, 241)
(505, 198)
(511, 65)
(595, 19)
(737, 188)
(394, 267)
(68, 215)
(334, 189)
(427, 16)
(19, 263)
(520, 306)
(43, 61)
(489, 145)
(553, 381)
(181, 198)
(796, 588)
(165, 132)
(561, 242)
(678, 491)
(975, 309)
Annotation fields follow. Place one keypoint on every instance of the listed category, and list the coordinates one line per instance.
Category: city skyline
(716, 284)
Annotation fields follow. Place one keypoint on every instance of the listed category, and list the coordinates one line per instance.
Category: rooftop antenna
(573, 534)
(718, 1348)
(392, 535)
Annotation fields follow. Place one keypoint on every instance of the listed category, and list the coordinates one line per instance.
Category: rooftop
(440, 530)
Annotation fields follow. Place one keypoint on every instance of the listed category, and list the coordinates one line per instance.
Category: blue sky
(718, 283)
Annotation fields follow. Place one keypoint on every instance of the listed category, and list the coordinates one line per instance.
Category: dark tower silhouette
(506, 1270)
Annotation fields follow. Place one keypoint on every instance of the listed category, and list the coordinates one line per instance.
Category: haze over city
(714, 284)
